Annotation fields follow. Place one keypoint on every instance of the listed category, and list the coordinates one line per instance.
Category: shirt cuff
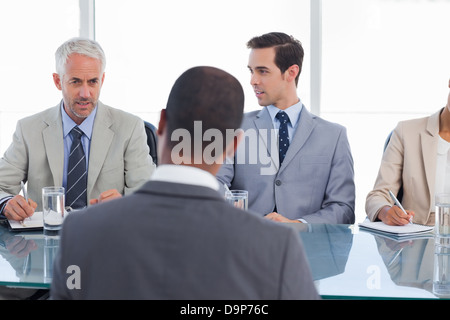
(3, 202)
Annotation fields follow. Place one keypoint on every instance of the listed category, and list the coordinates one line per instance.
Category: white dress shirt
(186, 175)
(443, 167)
(293, 112)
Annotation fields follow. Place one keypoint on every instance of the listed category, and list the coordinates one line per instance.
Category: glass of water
(53, 207)
(238, 198)
(442, 219)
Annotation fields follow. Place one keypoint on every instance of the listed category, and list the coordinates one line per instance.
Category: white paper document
(33, 222)
(409, 230)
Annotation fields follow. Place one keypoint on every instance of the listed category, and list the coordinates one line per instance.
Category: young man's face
(269, 84)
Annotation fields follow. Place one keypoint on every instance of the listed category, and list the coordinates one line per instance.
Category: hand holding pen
(395, 215)
(19, 207)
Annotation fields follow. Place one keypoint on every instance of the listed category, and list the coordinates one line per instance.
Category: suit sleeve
(226, 172)
(13, 165)
(338, 205)
(389, 176)
(138, 162)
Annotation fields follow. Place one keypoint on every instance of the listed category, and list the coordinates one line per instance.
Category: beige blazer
(409, 161)
(118, 158)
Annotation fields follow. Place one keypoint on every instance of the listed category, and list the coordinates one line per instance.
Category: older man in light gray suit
(179, 238)
(114, 142)
(314, 180)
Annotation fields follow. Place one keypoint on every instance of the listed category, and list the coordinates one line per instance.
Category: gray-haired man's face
(80, 86)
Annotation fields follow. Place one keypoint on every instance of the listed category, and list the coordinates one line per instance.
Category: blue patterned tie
(283, 134)
(76, 173)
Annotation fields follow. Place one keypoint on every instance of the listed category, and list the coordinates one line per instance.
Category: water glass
(238, 198)
(442, 219)
(53, 207)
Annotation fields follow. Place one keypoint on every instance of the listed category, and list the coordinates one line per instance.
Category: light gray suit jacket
(315, 181)
(178, 241)
(118, 159)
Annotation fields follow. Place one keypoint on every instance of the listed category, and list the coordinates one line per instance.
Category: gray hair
(83, 46)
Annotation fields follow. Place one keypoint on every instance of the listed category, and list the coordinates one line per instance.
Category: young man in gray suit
(176, 237)
(116, 155)
(308, 177)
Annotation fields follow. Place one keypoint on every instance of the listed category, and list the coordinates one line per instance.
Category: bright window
(31, 33)
(149, 44)
(383, 61)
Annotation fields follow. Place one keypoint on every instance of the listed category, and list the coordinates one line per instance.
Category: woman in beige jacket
(415, 160)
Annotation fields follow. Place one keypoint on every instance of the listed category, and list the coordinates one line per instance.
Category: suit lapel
(264, 127)
(304, 129)
(102, 137)
(53, 144)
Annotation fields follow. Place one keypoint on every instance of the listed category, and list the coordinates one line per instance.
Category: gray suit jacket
(179, 241)
(119, 156)
(315, 181)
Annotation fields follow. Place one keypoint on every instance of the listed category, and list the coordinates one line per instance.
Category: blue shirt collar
(86, 126)
(293, 112)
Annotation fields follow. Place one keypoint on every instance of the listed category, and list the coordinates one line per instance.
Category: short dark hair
(288, 50)
(205, 94)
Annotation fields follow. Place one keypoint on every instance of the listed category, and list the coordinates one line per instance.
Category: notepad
(409, 231)
(34, 222)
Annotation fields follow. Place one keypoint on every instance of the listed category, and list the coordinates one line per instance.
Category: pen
(394, 198)
(24, 191)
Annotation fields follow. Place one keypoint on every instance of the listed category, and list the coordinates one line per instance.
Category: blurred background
(368, 63)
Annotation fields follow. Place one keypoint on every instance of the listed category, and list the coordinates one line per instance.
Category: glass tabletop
(349, 263)
(346, 263)
(26, 258)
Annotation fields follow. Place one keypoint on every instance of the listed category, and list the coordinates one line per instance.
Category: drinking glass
(53, 207)
(238, 198)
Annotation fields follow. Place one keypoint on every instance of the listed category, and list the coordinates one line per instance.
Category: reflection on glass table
(26, 258)
(346, 263)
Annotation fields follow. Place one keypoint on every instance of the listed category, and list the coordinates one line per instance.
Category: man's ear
(103, 79)
(292, 72)
(162, 123)
(57, 81)
(160, 132)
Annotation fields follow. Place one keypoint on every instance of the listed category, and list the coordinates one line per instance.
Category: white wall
(382, 60)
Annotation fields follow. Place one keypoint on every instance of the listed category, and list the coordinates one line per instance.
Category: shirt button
(278, 182)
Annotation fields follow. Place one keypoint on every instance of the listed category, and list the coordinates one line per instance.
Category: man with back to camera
(307, 177)
(180, 239)
(115, 154)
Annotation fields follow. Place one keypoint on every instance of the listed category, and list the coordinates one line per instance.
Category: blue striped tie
(76, 173)
(283, 134)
